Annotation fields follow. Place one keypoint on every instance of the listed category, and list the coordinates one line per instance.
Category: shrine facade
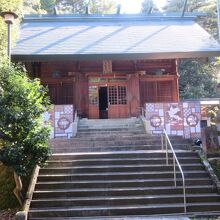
(110, 66)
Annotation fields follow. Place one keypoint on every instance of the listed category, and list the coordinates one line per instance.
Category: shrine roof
(81, 37)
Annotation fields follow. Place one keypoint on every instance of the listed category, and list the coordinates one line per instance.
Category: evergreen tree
(48, 5)
(148, 6)
(33, 7)
(15, 6)
(102, 7)
(209, 7)
(198, 79)
(177, 5)
(69, 6)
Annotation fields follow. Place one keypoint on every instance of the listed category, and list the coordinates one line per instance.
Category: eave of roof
(122, 56)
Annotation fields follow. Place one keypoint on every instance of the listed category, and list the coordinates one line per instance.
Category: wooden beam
(107, 66)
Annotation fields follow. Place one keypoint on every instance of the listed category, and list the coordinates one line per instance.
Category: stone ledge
(209, 169)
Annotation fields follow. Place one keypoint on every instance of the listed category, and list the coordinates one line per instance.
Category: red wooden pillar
(81, 95)
(133, 94)
(175, 86)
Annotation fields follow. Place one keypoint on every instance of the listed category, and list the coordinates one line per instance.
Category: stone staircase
(110, 135)
(112, 169)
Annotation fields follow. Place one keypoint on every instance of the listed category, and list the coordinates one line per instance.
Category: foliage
(69, 6)
(25, 138)
(147, 6)
(15, 6)
(209, 7)
(33, 7)
(102, 7)
(214, 113)
(48, 5)
(197, 79)
(177, 5)
(216, 167)
(210, 23)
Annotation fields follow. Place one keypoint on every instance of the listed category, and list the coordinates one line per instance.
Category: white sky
(134, 6)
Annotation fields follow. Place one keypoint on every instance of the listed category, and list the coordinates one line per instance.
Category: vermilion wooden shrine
(116, 93)
(109, 66)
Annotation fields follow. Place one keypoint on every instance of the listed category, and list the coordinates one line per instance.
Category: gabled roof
(112, 37)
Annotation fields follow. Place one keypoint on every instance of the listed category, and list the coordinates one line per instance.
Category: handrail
(175, 161)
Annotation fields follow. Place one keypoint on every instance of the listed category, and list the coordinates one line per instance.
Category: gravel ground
(8, 214)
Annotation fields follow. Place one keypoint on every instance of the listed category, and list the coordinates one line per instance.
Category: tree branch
(18, 188)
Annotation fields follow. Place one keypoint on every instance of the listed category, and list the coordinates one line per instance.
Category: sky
(134, 6)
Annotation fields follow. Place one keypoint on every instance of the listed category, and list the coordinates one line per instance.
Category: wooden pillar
(133, 94)
(176, 81)
(82, 94)
(175, 85)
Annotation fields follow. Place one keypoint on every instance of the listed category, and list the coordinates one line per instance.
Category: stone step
(109, 134)
(115, 144)
(117, 168)
(118, 161)
(107, 121)
(111, 144)
(113, 129)
(119, 136)
(112, 168)
(203, 207)
(116, 136)
(110, 148)
(135, 217)
(125, 191)
(119, 183)
(127, 135)
(125, 200)
(121, 143)
(109, 125)
(121, 154)
(121, 210)
(120, 175)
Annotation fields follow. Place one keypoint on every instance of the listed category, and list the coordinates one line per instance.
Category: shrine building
(108, 66)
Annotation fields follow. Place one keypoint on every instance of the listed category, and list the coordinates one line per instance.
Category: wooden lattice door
(117, 99)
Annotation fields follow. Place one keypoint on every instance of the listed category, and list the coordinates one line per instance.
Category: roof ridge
(111, 17)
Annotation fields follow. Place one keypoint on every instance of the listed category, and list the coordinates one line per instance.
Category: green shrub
(23, 135)
(22, 103)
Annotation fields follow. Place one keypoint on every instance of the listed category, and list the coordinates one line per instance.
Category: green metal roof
(83, 37)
